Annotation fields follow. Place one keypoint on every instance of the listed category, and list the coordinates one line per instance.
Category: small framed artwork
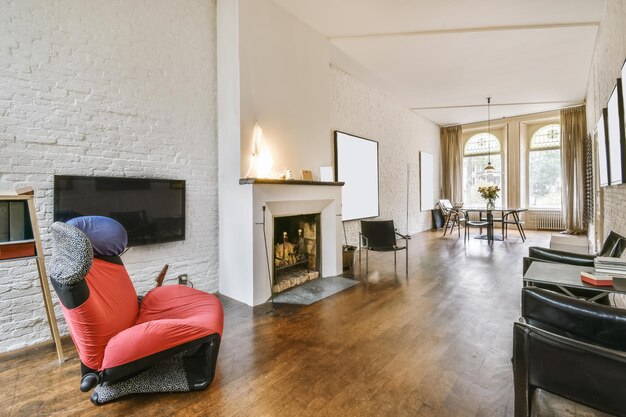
(427, 195)
(615, 131)
(307, 175)
(603, 147)
(326, 174)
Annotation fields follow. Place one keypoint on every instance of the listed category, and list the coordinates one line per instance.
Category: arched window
(479, 150)
(482, 144)
(544, 168)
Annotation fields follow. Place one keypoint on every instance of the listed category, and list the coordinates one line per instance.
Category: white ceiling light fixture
(489, 168)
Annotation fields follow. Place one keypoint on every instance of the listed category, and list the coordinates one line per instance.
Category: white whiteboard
(427, 196)
(356, 164)
(603, 163)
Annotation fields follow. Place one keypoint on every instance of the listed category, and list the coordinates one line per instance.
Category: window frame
(529, 139)
(499, 154)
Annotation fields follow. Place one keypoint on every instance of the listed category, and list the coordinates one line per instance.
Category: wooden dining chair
(453, 215)
(512, 217)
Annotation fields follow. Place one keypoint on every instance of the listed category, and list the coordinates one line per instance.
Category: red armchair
(167, 341)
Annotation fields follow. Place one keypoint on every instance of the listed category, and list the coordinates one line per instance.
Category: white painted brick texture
(358, 109)
(608, 57)
(112, 88)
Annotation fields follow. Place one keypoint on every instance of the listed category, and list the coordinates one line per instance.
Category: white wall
(284, 86)
(283, 79)
(116, 89)
(235, 208)
(608, 57)
(358, 109)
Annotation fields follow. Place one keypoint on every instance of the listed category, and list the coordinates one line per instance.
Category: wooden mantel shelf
(243, 181)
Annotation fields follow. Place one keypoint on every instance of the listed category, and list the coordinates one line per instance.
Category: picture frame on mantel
(356, 164)
(307, 175)
(326, 174)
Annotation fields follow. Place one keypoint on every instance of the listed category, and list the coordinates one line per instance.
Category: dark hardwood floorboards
(437, 344)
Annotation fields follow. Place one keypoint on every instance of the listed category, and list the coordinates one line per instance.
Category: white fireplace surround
(244, 272)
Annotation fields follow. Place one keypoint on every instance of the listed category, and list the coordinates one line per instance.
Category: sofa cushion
(169, 316)
(108, 237)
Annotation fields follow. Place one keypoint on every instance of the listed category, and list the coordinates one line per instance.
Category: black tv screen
(151, 210)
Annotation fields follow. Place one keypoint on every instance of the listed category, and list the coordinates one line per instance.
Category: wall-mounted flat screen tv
(617, 145)
(151, 210)
(603, 157)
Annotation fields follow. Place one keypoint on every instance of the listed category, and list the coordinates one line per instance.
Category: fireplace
(296, 249)
(247, 232)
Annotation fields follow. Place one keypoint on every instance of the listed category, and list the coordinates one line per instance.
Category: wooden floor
(437, 344)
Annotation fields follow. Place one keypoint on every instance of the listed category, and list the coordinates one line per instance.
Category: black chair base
(546, 404)
(189, 370)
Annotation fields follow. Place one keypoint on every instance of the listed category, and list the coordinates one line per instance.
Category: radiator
(544, 219)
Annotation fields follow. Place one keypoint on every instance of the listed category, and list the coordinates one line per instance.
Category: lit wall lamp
(261, 162)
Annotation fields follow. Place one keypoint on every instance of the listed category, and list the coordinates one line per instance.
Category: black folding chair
(380, 236)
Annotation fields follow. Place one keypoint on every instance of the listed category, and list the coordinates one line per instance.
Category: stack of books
(605, 264)
(606, 270)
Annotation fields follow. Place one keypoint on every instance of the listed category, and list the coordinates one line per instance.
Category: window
(544, 168)
(477, 152)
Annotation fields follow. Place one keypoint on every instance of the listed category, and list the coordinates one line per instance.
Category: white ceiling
(443, 58)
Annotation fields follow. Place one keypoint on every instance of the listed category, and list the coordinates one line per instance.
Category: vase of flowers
(489, 193)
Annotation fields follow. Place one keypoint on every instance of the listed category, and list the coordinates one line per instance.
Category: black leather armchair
(571, 348)
(613, 246)
(380, 235)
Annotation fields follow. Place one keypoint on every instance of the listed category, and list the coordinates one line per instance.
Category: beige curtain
(573, 131)
(451, 164)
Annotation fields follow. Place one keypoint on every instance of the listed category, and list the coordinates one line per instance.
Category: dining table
(490, 236)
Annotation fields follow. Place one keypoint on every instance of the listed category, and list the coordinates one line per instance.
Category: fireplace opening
(296, 248)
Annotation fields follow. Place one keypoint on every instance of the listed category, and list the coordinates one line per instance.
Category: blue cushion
(108, 237)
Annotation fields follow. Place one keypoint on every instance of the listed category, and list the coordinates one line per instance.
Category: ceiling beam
(465, 30)
(465, 106)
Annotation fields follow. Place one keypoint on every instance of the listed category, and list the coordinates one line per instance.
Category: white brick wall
(401, 133)
(614, 203)
(112, 88)
(609, 55)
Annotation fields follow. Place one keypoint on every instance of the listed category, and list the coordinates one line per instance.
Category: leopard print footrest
(166, 376)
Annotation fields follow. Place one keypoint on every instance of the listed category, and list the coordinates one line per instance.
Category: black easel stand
(269, 272)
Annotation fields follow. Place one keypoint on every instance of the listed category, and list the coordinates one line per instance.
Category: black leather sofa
(571, 350)
(613, 246)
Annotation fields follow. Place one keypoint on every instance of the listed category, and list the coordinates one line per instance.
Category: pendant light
(489, 168)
